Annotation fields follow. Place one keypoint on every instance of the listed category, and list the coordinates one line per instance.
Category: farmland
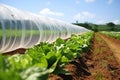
(39, 42)
(113, 34)
(44, 58)
(85, 57)
(100, 63)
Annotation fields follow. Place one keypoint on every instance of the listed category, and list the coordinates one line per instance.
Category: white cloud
(110, 1)
(78, 17)
(48, 12)
(89, 1)
(101, 22)
(84, 15)
(116, 21)
(88, 14)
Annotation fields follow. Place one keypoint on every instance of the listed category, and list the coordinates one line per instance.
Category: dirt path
(104, 65)
(113, 44)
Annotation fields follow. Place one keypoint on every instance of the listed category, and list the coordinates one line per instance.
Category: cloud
(48, 12)
(101, 22)
(116, 21)
(84, 15)
(88, 14)
(78, 17)
(110, 1)
(89, 1)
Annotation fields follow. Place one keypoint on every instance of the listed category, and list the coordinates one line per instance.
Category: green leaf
(64, 59)
(35, 73)
(9, 75)
(3, 63)
(59, 41)
(38, 56)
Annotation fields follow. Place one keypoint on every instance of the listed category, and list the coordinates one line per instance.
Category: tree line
(100, 27)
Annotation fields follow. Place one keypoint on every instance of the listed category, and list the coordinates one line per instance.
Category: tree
(86, 25)
(77, 21)
(111, 25)
(95, 28)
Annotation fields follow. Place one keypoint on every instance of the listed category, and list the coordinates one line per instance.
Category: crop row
(45, 58)
(113, 34)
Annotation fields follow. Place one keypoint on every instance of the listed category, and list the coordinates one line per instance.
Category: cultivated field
(90, 56)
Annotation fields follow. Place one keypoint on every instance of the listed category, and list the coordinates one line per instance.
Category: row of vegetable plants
(41, 60)
(112, 34)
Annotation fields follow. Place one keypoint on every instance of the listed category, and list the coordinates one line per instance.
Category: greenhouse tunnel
(21, 29)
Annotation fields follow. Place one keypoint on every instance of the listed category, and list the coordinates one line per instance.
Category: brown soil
(114, 45)
(20, 51)
(98, 64)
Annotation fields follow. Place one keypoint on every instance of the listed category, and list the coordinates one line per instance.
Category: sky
(93, 11)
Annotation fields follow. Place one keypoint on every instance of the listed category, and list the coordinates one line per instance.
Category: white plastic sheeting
(20, 29)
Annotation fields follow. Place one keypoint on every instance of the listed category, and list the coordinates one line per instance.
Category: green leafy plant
(43, 59)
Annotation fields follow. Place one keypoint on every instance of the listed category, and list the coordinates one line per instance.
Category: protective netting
(20, 29)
